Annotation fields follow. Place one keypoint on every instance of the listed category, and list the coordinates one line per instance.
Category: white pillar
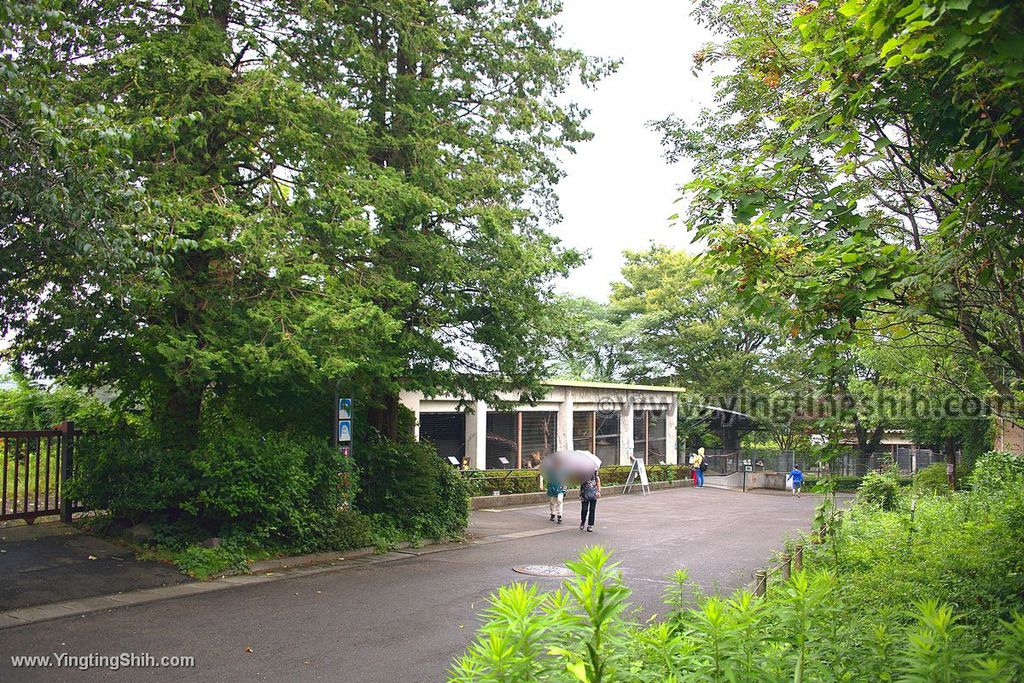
(672, 432)
(476, 435)
(563, 435)
(626, 431)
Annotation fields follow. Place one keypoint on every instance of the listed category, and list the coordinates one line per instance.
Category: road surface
(404, 616)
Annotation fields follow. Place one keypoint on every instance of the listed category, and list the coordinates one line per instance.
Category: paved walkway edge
(261, 572)
(270, 570)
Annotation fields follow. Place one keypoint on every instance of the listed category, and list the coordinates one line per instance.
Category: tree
(864, 158)
(687, 329)
(594, 343)
(310, 191)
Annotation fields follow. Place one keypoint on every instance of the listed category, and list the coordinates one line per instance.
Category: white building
(614, 421)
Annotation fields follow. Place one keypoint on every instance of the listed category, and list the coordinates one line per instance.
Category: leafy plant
(881, 489)
(203, 563)
(414, 487)
(931, 480)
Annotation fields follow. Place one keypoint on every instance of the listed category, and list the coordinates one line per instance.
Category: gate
(36, 463)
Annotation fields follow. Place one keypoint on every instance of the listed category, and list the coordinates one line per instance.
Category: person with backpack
(700, 465)
(590, 491)
(556, 497)
(797, 477)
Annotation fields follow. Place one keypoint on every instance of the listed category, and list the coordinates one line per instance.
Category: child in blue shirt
(798, 479)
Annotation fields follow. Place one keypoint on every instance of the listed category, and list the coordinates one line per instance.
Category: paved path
(44, 563)
(402, 617)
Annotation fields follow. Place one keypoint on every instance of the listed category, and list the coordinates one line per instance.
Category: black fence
(35, 465)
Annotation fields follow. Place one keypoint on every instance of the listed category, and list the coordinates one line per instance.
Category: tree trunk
(384, 417)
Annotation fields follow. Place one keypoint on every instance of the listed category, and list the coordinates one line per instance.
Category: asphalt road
(404, 619)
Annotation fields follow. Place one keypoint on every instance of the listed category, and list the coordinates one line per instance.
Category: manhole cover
(542, 570)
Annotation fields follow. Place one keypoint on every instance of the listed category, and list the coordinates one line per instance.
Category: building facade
(616, 422)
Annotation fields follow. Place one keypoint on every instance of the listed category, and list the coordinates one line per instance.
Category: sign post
(639, 470)
(343, 427)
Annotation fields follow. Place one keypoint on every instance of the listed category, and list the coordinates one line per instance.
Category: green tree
(304, 192)
(864, 157)
(688, 330)
(594, 342)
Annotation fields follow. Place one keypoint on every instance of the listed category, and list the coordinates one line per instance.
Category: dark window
(607, 447)
(656, 437)
(538, 435)
(640, 434)
(583, 430)
(502, 441)
(447, 431)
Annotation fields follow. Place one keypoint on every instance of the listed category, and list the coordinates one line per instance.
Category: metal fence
(907, 460)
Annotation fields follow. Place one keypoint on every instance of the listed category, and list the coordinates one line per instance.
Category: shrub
(130, 474)
(270, 488)
(203, 563)
(880, 489)
(486, 482)
(998, 470)
(803, 631)
(931, 480)
(411, 484)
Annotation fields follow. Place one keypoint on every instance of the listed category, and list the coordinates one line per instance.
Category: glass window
(640, 434)
(447, 431)
(607, 446)
(656, 436)
(538, 436)
(583, 430)
(502, 441)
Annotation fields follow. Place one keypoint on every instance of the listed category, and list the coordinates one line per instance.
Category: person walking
(590, 491)
(797, 478)
(556, 498)
(700, 464)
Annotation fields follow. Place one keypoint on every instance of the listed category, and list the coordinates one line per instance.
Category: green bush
(130, 474)
(411, 484)
(996, 471)
(880, 489)
(203, 563)
(931, 480)
(270, 488)
(805, 630)
(486, 482)
(26, 406)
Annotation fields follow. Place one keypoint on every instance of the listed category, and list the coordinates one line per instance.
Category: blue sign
(344, 409)
(344, 431)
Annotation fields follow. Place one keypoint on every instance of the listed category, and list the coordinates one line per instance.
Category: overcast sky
(619, 191)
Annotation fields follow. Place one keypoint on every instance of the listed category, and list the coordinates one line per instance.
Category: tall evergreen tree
(291, 193)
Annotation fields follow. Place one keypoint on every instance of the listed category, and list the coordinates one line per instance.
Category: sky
(619, 192)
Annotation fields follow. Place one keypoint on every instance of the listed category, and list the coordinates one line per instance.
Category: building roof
(612, 385)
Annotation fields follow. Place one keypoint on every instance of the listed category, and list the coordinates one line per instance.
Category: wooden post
(647, 437)
(66, 460)
(593, 432)
(798, 557)
(760, 583)
(787, 566)
(519, 440)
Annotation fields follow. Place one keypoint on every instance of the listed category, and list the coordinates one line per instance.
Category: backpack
(589, 490)
(704, 466)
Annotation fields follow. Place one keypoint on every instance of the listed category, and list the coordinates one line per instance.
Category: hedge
(486, 482)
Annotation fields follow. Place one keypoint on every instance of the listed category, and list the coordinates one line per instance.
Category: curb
(261, 572)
